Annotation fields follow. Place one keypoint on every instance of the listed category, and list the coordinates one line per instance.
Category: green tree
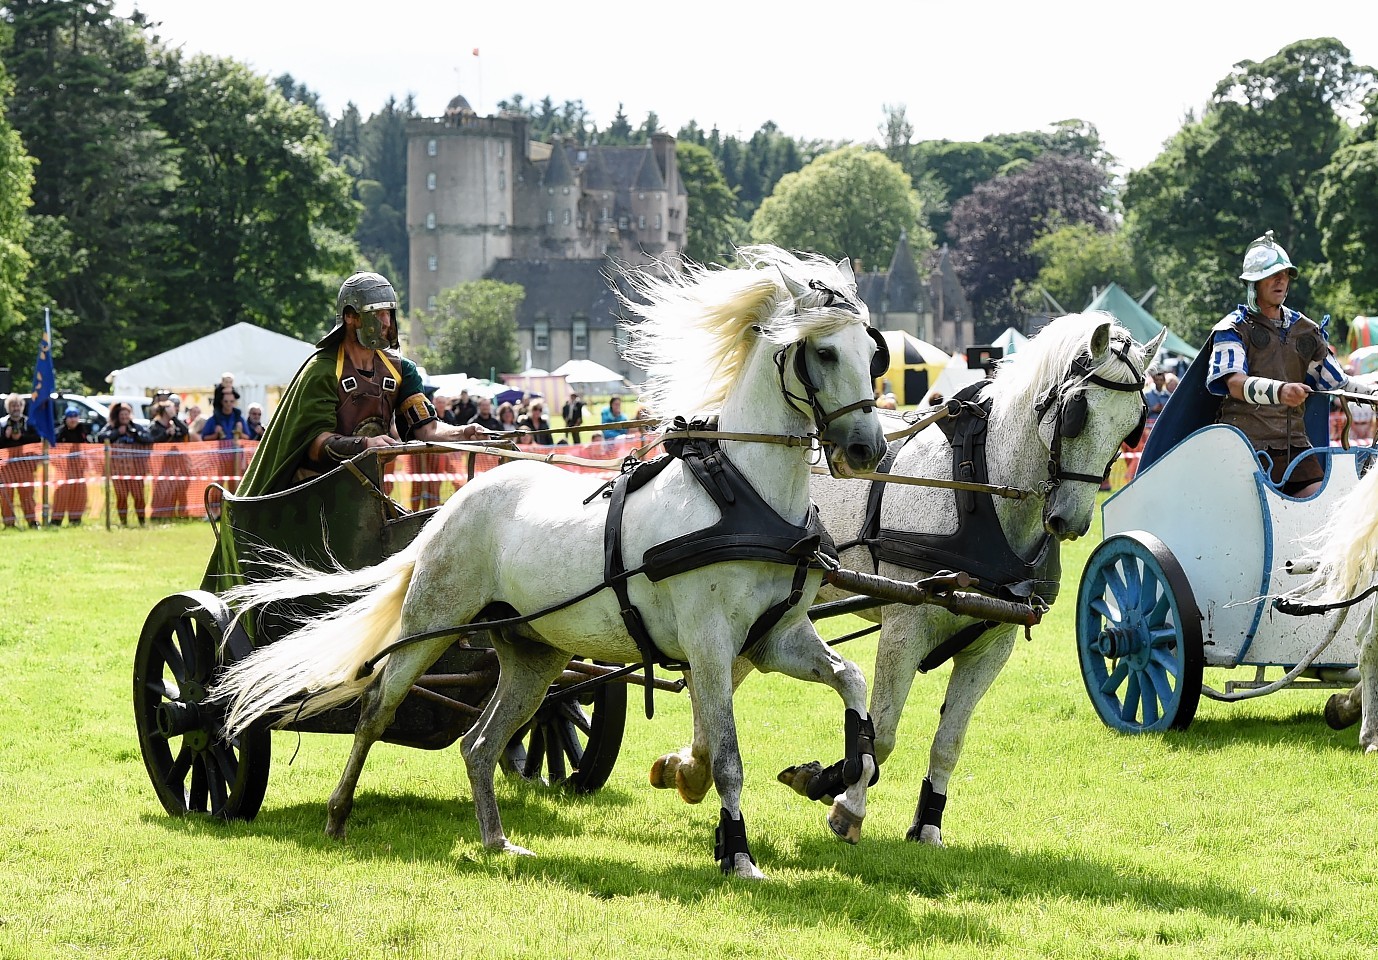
(852, 203)
(1075, 260)
(1348, 213)
(86, 86)
(619, 132)
(382, 191)
(473, 328)
(16, 183)
(261, 214)
(714, 227)
(1255, 161)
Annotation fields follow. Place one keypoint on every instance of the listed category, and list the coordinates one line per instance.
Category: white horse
(1058, 412)
(1345, 561)
(780, 347)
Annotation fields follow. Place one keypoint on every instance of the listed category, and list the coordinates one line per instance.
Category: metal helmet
(1264, 258)
(366, 294)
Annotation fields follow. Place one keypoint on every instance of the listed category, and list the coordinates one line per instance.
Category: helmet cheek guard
(371, 332)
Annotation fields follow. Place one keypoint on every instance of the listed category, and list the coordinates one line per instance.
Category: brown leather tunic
(367, 399)
(1274, 426)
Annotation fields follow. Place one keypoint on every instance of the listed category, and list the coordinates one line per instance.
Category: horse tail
(317, 666)
(1343, 549)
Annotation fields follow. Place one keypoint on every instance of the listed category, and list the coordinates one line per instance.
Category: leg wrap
(860, 742)
(931, 805)
(729, 839)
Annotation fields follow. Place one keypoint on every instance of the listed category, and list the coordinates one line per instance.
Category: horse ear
(1100, 340)
(1151, 348)
(795, 288)
(844, 267)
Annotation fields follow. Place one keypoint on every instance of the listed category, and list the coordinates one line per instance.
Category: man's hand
(1294, 394)
(382, 440)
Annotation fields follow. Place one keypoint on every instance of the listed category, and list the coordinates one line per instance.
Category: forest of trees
(149, 197)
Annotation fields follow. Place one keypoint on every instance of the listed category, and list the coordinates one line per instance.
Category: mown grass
(1250, 835)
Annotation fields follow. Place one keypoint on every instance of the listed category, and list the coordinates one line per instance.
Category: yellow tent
(915, 366)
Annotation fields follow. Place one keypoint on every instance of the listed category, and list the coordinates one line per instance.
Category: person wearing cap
(69, 499)
(1266, 359)
(356, 391)
(17, 468)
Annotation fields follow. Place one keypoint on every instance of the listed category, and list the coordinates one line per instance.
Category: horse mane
(1022, 378)
(692, 331)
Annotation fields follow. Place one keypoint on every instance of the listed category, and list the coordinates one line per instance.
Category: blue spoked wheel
(1139, 636)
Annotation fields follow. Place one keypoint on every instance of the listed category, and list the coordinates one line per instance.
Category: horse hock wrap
(729, 839)
(901, 591)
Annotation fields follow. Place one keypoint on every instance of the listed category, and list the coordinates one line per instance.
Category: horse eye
(827, 354)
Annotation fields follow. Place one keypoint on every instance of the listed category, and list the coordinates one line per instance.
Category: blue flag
(44, 382)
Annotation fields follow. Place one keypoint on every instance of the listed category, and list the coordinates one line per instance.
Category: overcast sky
(962, 68)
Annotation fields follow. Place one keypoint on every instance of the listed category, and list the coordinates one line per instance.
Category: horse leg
(525, 671)
(973, 671)
(1368, 683)
(798, 651)
(379, 705)
(690, 769)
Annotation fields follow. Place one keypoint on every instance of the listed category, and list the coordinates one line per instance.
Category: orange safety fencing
(169, 481)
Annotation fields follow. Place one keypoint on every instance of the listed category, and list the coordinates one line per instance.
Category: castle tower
(560, 200)
(461, 175)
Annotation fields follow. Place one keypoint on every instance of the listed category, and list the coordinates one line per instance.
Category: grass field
(1253, 834)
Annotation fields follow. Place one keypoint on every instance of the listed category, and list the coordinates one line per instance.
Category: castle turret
(561, 197)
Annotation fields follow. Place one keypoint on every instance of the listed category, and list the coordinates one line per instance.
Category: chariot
(1196, 547)
(343, 518)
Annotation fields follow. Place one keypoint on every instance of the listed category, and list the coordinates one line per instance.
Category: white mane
(694, 331)
(1343, 548)
(1044, 361)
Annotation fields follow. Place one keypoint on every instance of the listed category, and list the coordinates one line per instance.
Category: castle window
(641, 196)
(432, 263)
(566, 218)
(430, 221)
(430, 181)
(658, 222)
(550, 191)
(502, 150)
(502, 179)
(579, 335)
(606, 215)
(502, 221)
(622, 223)
(430, 148)
(430, 303)
(641, 223)
(582, 156)
(565, 190)
(549, 215)
(540, 338)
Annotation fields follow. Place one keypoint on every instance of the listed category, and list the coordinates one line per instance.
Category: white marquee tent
(262, 362)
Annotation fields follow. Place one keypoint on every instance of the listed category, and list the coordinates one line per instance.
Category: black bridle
(1069, 398)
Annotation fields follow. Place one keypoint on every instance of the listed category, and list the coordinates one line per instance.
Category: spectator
(227, 422)
(69, 498)
(195, 422)
(484, 417)
(464, 409)
(254, 427)
(1170, 383)
(573, 410)
(644, 428)
(226, 385)
(169, 463)
(613, 414)
(1157, 393)
(128, 461)
(17, 469)
(536, 424)
(441, 402)
(507, 417)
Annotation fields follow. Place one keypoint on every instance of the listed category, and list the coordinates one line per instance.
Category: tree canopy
(473, 328)
(852, 202)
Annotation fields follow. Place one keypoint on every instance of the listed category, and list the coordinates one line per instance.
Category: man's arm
(1263, 391)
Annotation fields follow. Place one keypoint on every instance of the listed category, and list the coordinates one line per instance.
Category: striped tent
(915, 366)
(1363, 332)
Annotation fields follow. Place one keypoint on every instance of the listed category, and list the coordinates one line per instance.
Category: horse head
(1085, 417)
(829, 373)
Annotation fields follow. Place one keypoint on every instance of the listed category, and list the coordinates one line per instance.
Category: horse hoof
(1370, 748)
(658, 773)
(797, 778)
(929, 834)
(844, 823)
(687, 793)
(1339, 715)
(743, 867)
(335, 831)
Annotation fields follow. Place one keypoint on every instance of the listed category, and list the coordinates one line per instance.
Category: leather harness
(748, 529)
(978, 546)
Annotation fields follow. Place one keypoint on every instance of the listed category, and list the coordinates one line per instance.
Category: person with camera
(17, 469)
(69, 499)
(128, 461)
